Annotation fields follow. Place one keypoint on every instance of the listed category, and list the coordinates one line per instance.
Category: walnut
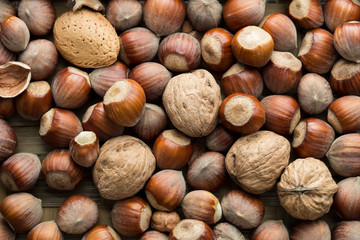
(192, 102)
(306, 189)
(255, 161)
(124, 165)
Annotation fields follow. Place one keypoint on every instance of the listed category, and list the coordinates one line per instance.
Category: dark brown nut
(15, 34)
(207, 171)
(132, 164)
(282, 30)
(241, 13)
(346, 200)
(255, 161)
(226, 231)
(101, 232)
(131, 217)
(39, 15)
(337, 12)
(42, 57)
(180, 52)
(306, 189)
(282, 73)
(271, 229)
(346, 37)
(22, 211)
(220, 140)
(14, 79)
(165, 189)
(306, 13)
(317, 52)
(84, 148)
(95, 119)
(7, 10)
(191, 229)
(160, 20)
(124, 14)
(348, 230)
(344, 154)
(20, 172)
(185, 94)
(45, 231)
(311, 230)
(6, 232)
(242, 209)
(7, 107)
(153, 235)
(202, 205)
(314, 93)
(35, 101)
(164, 221)
(6, 55)
(60, 172)
(77, 214)
(345, 77)
(312, 138)
(58, 127)
(242, 79)
(8, 140)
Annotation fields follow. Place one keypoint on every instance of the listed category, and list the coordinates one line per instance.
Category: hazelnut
(242, 209)
(84, 148)
(93, 4)
(101, 232)
(8, 140)
(77, 214)
(204, 14)
(226, 231)
(15, 34)
(314, 93)
(160, 20)
(345, 40)
(185, 94)
(306, 13)
(271, 229)
(165, 189)
(60, 172)
(132, 164)
(202, 205)
(164, 221)
(124, 14)
(337, 12)
(255, 161)
(220, 140)
(311, 230)
(242, 79)
(301, 194)
(153, 235)
(207, 171)
(5, 54)
(22, 211)
(346, 230)
(346, 200)
(20, 172)
(191, 229)
(7, 10)
(45, 231)
(131, 217)
(6, 232)
(7, 107)
(41, 55)
(14, 79)
(345, 76)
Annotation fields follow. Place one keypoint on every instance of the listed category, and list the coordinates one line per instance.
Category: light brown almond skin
(318, 229)
(346, 10)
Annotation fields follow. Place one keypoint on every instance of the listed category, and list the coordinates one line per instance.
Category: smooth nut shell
(271, 229)
(346, 200)
(7, 107)
(8, 140)
(7, 10)
(346, 37)
(307, 14)
(337, 12)
(15, 34)
(45, 231)
(101, 232)
(6, 55)
(191, 229)
(345, 77)
(124, 14)
(6, 232)
(227, 231)
(348, 230)
(311, 230)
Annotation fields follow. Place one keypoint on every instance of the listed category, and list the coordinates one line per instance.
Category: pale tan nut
(192, 102)
(93, 4)
(255, 161)
(164, 221)
(86, 39)
(306, 189)
(14, 79)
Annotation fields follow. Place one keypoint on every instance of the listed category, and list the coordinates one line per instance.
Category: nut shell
(271, 229)
(337, 12)
(101, 232)
(346, 37)
(307, 14)
(14, 79)
(15, 34)
(311, 230)
(191, 229)
(45, 231)
(164, 221)
(345, 77)
(124, 14)
(348, 230)
(8, 140)
(346, 202)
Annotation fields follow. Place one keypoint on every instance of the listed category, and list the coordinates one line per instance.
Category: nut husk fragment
(14, 78)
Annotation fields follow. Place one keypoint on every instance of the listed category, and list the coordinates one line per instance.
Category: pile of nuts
(194, 96)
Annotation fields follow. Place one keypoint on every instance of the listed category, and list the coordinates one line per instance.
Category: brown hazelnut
(58, 127)
(160, 20)
(131, 167)
(255, 161)
(282, 30)
(20, 172)
(15, 34)
(202, 205)
(8, 140)
(45, 231)
(60, 172)
(6, 232)
(7, 10)
(14, 79)
(185, 94)
(241, 13)
(95, 119)
(226, 231)
(242, 113)
(240, 78)
(191, 229)
(22, 211)
(124, 14)
(41, 55)
(270, 229)
(343, 155)
(207, 171)
(346, 200)
(180, 52)
(101, 232)
(153, 78)
(346, 39)
(337, 12)
(306, 13)
(314, 93)
(153, 235)
(5, 54)
(131, 217)
(345, 76)
(301, 194)
(138, 45)
(77, 214)
(282, 72)
(7, 107)
(39, 15)
(164, 221)
(242, 209)
(204, 14)
(346, 230)
(35, 101)
(220, 140)
(84, 148)
(311, 230)
(165, 189)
